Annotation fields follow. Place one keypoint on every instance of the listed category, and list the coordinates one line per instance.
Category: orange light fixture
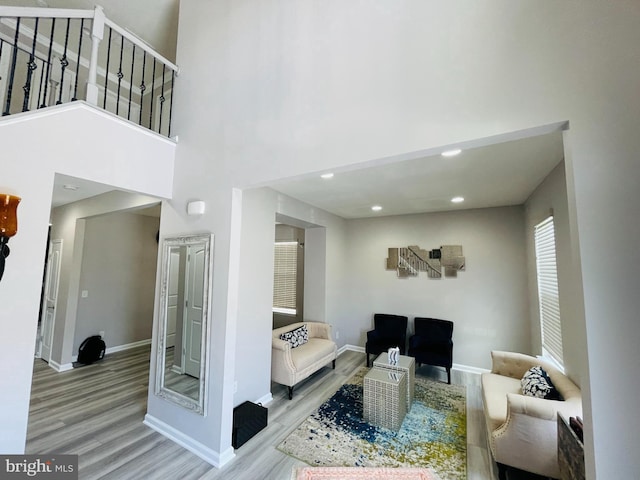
(8, 225)
(8, 215)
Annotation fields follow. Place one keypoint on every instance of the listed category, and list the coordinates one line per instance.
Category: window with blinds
(549, 302)
(285, 277)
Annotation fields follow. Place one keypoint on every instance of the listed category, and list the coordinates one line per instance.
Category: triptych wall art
(409, 261)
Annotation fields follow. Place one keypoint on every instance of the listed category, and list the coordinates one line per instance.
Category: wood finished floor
(96, 412)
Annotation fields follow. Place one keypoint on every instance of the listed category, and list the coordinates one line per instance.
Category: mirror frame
(162, 391)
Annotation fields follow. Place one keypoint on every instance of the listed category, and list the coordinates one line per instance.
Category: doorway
(102, 260)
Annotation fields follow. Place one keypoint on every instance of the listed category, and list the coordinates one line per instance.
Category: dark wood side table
(570, 452)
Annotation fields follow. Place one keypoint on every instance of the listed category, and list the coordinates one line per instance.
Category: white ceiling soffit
(495, 175)
(67, 189)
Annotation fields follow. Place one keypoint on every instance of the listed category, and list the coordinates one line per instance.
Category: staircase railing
(53, 56)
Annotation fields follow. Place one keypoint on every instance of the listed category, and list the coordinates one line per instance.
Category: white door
(173, 294)
(192, 339)
(52, 278)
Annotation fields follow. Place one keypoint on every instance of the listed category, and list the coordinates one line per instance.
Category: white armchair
(290, 365)
(522, 429)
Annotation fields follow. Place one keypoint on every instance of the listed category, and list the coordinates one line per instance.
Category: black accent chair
(389, 331)
(432, 343)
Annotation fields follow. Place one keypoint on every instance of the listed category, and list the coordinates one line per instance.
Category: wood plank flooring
(97, 411)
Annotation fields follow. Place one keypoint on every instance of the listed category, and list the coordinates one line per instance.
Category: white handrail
(33, 12)
(140, 43)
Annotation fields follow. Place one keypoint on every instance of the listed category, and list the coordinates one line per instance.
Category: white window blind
(548, 297)
(285, 277)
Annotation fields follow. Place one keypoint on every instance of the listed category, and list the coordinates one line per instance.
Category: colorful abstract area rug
(433, 434)
(363, 473)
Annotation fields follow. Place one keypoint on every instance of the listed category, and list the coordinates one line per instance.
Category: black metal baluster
(120, 75)
(106, 73)
(143, 87)
(133, 64)
(14, 59)
(46, 79)
(75, 86)
(164, 67)
(64, 63)
(31, 66)
(153, 89)
(173, 76)
(1, 47)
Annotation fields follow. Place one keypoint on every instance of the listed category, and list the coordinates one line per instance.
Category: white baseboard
(469, 369)
(120, 348)
(128, 346)
(353, 348)
(456, 366)
(60, 368)
(208, 455)
(265, 399)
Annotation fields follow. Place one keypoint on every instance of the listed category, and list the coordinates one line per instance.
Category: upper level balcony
(54, 56)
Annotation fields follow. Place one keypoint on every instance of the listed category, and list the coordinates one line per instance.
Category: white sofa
(522, 429)
(292, 365)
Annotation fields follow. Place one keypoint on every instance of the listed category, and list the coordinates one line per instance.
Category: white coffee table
(405, 364)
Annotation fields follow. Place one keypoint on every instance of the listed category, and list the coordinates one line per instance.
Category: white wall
(119, 274)
(255, 302)
(487, 301)
(254, 321)
(76, 140)
(295, 88)
(551, 196)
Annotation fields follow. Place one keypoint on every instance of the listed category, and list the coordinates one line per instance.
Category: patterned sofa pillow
(536, 383)
(296, 337)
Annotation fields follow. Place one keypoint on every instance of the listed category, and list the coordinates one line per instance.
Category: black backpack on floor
(91, 350)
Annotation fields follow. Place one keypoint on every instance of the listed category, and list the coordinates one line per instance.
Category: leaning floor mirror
(181, 367)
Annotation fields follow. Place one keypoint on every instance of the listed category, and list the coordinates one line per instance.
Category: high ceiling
(499, 174)
(68, 189)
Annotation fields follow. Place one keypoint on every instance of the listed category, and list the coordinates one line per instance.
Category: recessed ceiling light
(376, 208)
(451, 153)
(326, 176)
(457, 199)
(69, 186)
